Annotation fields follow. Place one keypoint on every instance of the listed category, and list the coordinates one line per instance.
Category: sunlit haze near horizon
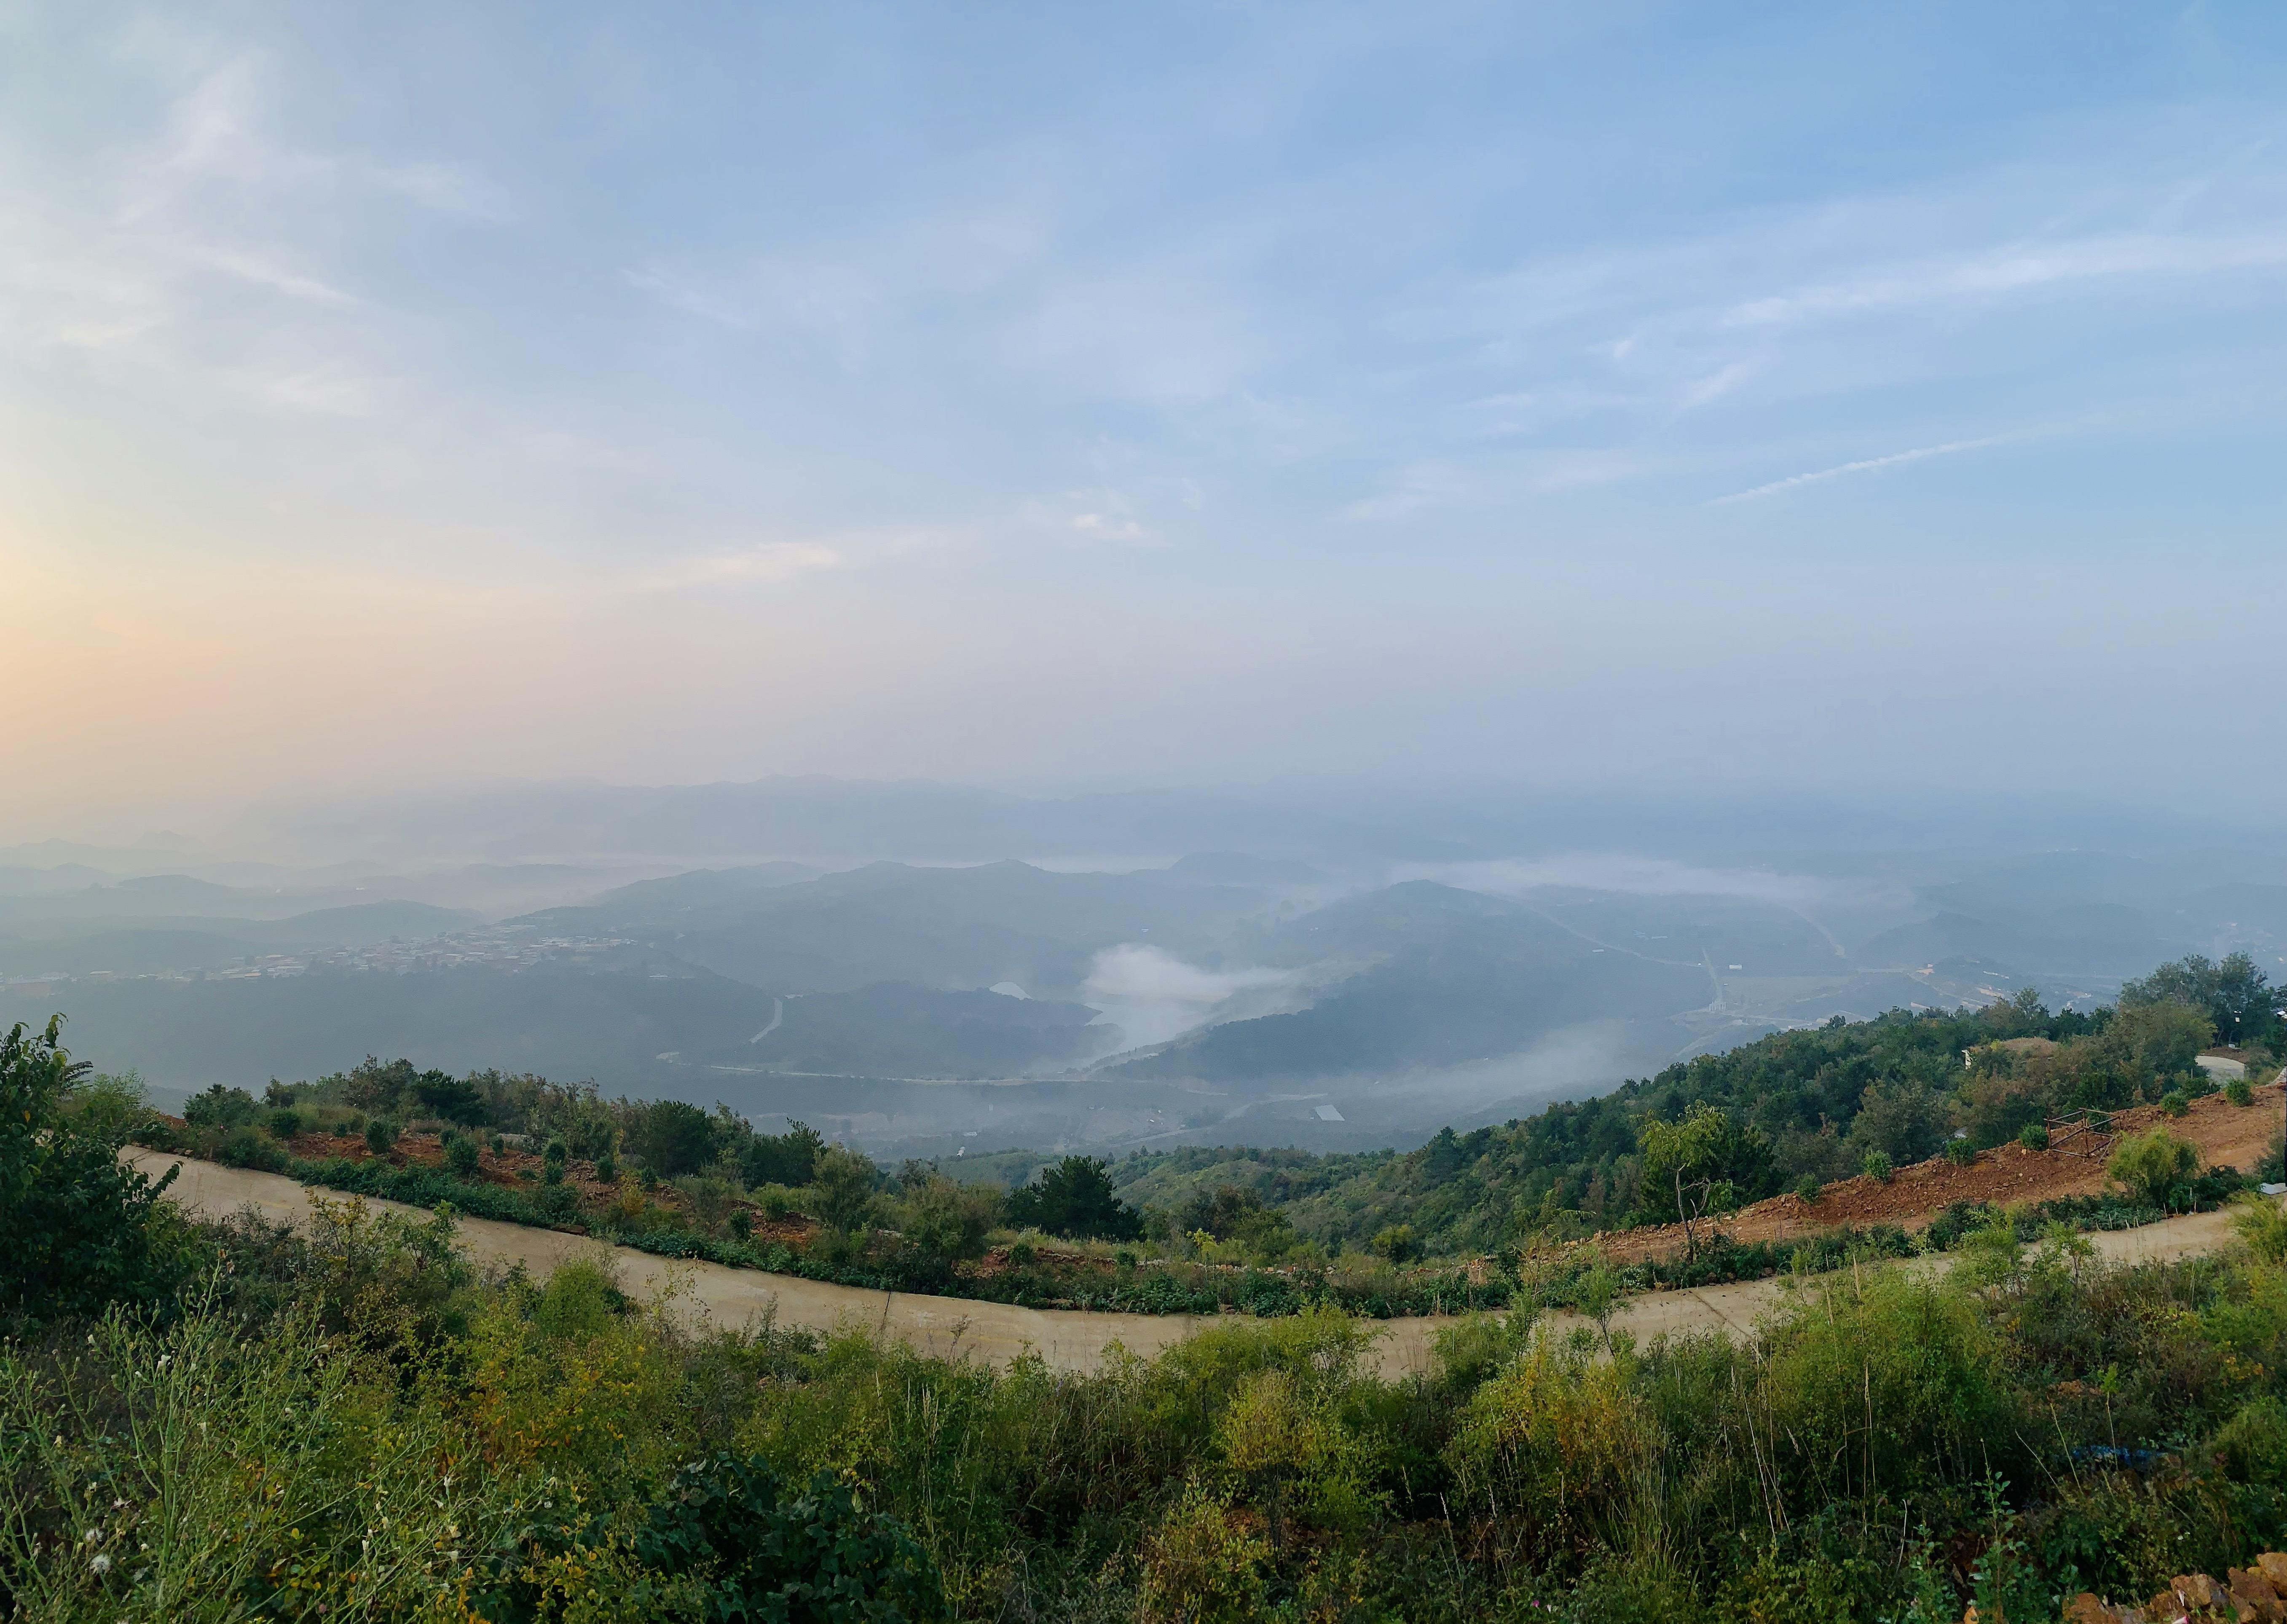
(1786, 398)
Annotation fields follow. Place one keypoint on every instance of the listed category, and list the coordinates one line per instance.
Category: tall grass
(355, 1420)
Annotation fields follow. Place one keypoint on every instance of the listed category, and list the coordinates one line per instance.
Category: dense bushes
(78, 1228)
(354, 1420)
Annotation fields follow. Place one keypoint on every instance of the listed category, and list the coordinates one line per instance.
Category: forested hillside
(1812, 1104)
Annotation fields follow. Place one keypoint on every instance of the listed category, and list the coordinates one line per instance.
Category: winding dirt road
(1000, 1332)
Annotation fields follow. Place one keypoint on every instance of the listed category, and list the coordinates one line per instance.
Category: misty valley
(1332, 997)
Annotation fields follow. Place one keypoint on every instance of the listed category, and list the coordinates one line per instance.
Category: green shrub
(2175, 1102)
(1878, 1165)
(1396, 1243)
(110, 1108)
(2261, 1223)
(758, 1552)
(948, 1221)
(1807, 1188)
(283, 1123)
(2033, 1136)
(2152, 1165)
(2253, 1444)
(557, 1202)
(463, 1156)
(2238, 1092)
(83, 1229)
(580, 1299)
(776, 1201)
(380, 1134)
(712, 1199)
(1558, 1439)
(249, 1147)
(844, 1191)
(219, 1107)
(1894, 1386)
(1960, 1151)
(607, 1168)
(674, 1138)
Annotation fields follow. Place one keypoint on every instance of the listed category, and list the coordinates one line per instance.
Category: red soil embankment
(2226, 1136)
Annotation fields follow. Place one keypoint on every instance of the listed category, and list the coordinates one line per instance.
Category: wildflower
(91, 1536)
(101, 1563)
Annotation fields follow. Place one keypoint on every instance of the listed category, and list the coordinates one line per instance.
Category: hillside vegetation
(1469, 1220)
(236, 1423)
(1810, 1106)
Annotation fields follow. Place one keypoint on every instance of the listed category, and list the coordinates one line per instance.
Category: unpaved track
(1066, 1339)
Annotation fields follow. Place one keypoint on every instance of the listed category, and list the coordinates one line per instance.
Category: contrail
(1891, 460)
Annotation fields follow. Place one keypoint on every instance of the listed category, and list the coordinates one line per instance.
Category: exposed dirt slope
(2227, 1135)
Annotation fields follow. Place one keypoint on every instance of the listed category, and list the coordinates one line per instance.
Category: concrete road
(999, 1332)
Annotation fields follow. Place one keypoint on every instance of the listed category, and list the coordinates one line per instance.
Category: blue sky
(1081, 396)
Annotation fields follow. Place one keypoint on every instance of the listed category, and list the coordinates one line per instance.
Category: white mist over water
(1153, 996)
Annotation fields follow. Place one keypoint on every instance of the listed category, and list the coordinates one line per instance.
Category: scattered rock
(2253, 1596)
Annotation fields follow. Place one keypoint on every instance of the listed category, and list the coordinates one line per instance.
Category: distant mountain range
(1299, 990)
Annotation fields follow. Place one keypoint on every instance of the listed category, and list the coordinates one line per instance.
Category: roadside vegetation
(233, 1422)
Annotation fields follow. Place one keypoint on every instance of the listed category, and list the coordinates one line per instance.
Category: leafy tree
(1396, 1243)
(2158, 1038)
(1904, 1119)
(2233, 995)
(83, 1229)
(1704, 1164)
(790, 1158)
(463, 1156)
(1075, 1198)
(111, 1108)
(457, 1099)
(674, 1138)
(946, 1221)
(378, 1087)
(380, 1134)
(844, 1181)
(221, 1107)
(2153, 1164)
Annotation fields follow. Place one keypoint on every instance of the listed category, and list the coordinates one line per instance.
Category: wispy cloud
(257, 269)
(2014, 269)
(767, 563)
(678, 295)
(445, 187)
(1423, 486)
(1919, 453)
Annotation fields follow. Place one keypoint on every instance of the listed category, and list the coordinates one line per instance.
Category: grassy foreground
(238, 1422)
(355, 1425)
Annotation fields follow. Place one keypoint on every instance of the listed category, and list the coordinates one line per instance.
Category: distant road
(1067, 1339)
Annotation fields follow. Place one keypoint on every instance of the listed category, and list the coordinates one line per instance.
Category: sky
(1787, 396)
